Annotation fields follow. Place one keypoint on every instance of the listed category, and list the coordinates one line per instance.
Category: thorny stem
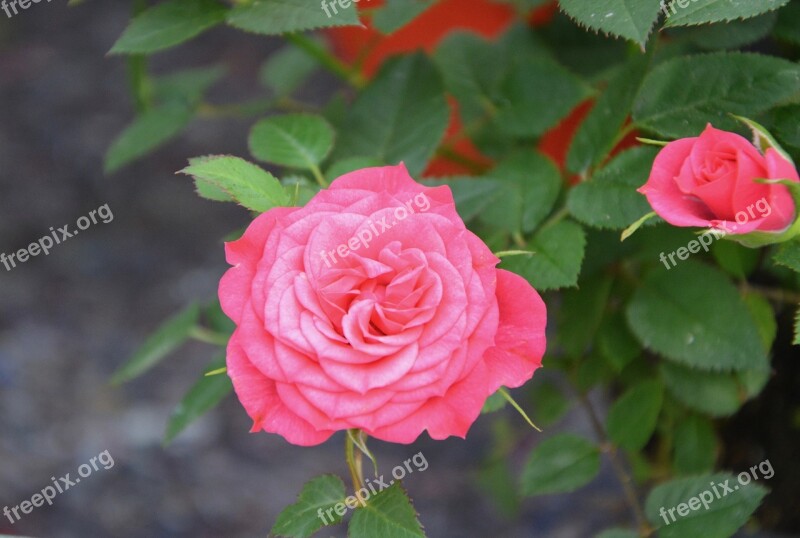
(619, 470)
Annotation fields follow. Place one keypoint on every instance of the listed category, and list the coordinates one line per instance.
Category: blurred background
(70, 319)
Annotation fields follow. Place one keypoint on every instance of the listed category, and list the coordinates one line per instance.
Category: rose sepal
(758, 239)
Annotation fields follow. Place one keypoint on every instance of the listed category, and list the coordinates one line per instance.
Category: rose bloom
(373, 307)
(709, 181)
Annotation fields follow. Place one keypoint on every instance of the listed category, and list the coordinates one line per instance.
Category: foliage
(532, 132)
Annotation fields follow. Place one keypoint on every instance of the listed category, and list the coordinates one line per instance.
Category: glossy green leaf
(526, 106)
(301, 519)
(788, 255)
(682, 95)
(294, 140)
(719, 517)
(597, 134)
(286, 70)
(548, 403)
(670, 313)
(397, 13)
(695, 446)
(389, 514)
(631, 19)
(400, 117)
(609, 200)
(204, 395)
(275, 17)
(172, 333)
(244, 182)
(557, 254)
(560, 464)
(168, 24)
(632, 419)
(526, 188)
(147, 132)
(710, 11)
(187, 86)
(714, 394)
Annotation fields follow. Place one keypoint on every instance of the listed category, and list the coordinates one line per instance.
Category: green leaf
(764, 316)
(400, 117)
(632, 418)
(695, 446)
(472, 69)
(389, 514)
(710, 11)
(788, 255)
(172, 333)
(548, 402)
(599, 132)
(345, 166)
(397, 13)
(735, 259)
(301, 519)
(670, 313)
(609, 200)
(728, 35)
(680, 96)
(186, 87)
(560, 464)
(204, 395)
(527, 185)
(146, 133)
(251, 186)
(616, 343)
(286, 70)
(275, 17)
(785, 124)
(168, 24)
(720, 517)
(527, 107)
(556, 259)
(295, 140)
(713, 394)
(472, 195)
(493, 403)
(631, 19)
(788, 27)
(581, 313)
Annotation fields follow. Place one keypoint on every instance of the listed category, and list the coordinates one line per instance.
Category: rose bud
(713, 181)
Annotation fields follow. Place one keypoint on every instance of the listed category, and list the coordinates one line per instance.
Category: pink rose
(708, 181)
(373, 307)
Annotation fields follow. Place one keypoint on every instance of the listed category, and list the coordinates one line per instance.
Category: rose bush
(709, 181)
(408, 331)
